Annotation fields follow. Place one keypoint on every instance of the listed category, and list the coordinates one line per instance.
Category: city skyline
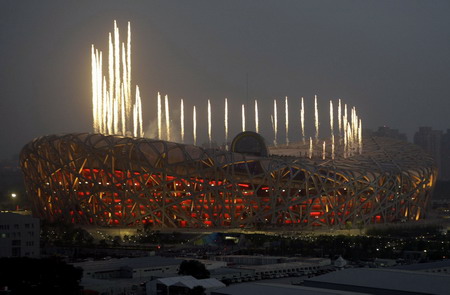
(389, 60)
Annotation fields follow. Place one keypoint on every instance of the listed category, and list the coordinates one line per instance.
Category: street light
(14, 201)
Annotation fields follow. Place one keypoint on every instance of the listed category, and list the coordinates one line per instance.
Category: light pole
(14, 198)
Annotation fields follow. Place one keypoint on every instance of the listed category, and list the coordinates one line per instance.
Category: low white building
(233, 275)
(19, 235)
(131, 268)
(131, 275)
(251, 259)
(279, 270)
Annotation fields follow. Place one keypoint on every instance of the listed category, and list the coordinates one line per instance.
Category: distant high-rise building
(437, 144)
(445, 155)
(19, 235)
(385, 131)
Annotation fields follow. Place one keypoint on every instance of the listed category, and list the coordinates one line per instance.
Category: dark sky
(391, 59)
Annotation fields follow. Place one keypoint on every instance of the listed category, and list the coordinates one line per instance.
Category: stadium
(107, 180)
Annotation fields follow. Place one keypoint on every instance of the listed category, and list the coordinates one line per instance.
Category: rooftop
(387, 279)
(424, 266)
(139, 262)
(191, 282)
(269, 289)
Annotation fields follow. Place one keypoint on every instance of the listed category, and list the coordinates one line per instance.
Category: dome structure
(94, 179)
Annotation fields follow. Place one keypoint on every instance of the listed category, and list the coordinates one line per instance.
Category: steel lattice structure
(111, 180)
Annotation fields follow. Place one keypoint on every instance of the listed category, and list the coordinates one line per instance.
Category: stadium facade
(94, 179)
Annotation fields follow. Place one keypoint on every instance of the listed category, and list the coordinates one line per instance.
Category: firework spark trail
(356, 127)
(243, 117)
(226, 122)
(110, 112)
(182, 120)
(166, 100)
(116, 63)
(331, 118)
(113, 108)
(115, 113)
(310, 147)
(124, 92)
(316, 118)
(194, 125)
(356, 131)
(104, 106)
(349, 142)
(256, 117)
(116, 116)
(286, 111)
(139, 111)
(332, 128)
(340, 118)
(159, 116)
(94, 88)
(332, 147)
(275, 122)
(273, 127)
(302, 120)
(344, 126)
(209, 123)
(111, 82)
(323, 150)
(352, 127)
(99, 90)
(135, 119)
(128, 82)
(360, 136)
(122, 109)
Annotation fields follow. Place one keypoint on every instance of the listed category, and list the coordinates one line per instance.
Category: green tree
(39, 276)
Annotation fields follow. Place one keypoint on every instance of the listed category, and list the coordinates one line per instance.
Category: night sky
(390, 59)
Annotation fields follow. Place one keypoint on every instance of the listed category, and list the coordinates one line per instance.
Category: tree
(39, 276)
(348, 225)
(360, 226)
(63, 233)
(103, 243)
(193, 268)
(197, 290)
(116, 241)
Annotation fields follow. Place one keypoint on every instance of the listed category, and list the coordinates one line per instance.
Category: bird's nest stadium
(94, 179)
